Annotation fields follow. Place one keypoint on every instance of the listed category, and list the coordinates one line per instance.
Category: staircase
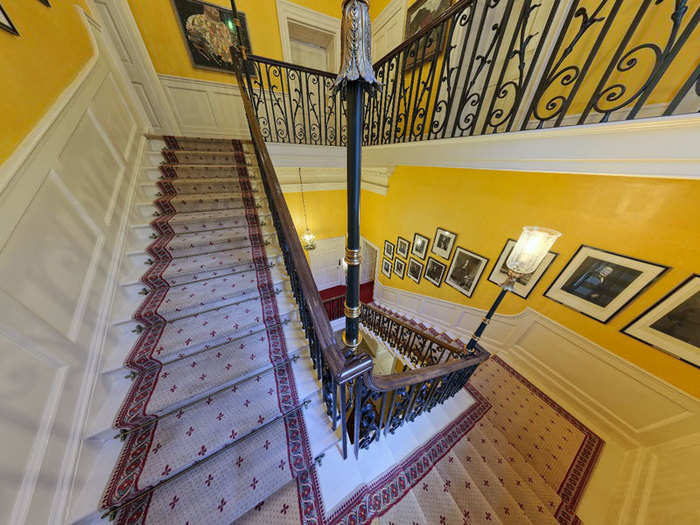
(216, 404)
(213, 411)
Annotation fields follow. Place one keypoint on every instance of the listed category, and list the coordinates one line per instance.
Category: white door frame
(289, 12)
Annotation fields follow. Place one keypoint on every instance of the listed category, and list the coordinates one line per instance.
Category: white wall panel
(64, 194)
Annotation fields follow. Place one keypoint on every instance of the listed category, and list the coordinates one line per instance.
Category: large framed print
(6, 23)
(443, 242)
(434, 270)
(420, 245)
(465, 271)
(386, 267)
(599, 283)
(209, 32)
(524, 284)
(673, 324)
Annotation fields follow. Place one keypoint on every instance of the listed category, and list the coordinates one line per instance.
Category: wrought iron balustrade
(295, 104)
(494, 66)
(422, 346)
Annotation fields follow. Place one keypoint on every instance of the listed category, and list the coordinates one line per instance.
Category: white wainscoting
(617, 398)
(63, 199)
(206, 109)
(648, 471)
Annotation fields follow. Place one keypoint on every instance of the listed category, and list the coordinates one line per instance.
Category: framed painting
(434, 271)
(399, 268)
(420, 245)
(209, 32)
(420, 15)
(443, 242)
(415, 269)
(673, 323)
(599, 283)
(402, 247)
(388, 250)
(6, 23)
(386, 268)
(525, 284)
(465, 271)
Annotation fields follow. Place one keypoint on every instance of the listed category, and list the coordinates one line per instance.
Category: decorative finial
(356, 45)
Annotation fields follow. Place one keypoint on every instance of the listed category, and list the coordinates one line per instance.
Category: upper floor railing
(494, 66)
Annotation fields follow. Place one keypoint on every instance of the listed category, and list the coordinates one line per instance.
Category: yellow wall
(325, 210)
(162, 35)
(651, 219)
(38, 65)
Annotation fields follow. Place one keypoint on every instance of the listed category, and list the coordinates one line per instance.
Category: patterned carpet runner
(212, 422)
(213, 426)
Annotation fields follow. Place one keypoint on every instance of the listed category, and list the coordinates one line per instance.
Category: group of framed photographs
(463, 273)
(595, 282)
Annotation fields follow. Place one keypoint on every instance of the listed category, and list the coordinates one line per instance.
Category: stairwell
(211, 412)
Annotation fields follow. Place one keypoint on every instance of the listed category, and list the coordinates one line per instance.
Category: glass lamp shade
(308, 240)
(532, 246)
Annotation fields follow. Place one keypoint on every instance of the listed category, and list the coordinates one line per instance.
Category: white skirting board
(64, 194)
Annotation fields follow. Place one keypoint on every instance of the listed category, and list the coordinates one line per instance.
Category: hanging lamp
(308, 239)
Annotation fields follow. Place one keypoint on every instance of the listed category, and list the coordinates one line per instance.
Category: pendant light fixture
(308, 239)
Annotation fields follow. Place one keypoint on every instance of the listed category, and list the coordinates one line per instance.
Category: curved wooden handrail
(387, 383)
(289, 65)
(341, 368)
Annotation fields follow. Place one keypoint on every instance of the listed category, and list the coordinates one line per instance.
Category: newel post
(356, 74)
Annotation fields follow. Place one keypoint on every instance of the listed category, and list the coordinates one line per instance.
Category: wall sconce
(527, 254)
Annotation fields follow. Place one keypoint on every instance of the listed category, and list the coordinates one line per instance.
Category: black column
(352, 252)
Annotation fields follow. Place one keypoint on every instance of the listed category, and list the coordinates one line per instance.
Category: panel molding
(46, 474)
(223, 120)
(509, 336)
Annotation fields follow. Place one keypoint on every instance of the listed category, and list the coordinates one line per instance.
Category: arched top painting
(209, 32)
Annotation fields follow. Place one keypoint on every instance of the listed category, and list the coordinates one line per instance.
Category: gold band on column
(352, 257)
(351, 312)
(352, 345)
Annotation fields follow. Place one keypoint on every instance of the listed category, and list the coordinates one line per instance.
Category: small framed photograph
(599, 283)
(399, 267)
(386, 267)
(6, 23)
(443, 243)
(434, 271)
(402, 247)
(673, 324)
(465, 271)
(388, 250)
(420, 245)
(415, 269)
(525, 284)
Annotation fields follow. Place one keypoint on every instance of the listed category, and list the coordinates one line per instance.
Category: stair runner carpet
(215, 431)
(213, 422)
(526, 463)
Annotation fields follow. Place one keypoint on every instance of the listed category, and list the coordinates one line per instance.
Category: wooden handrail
(386, 383)
(341, 368)
(289, 65)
